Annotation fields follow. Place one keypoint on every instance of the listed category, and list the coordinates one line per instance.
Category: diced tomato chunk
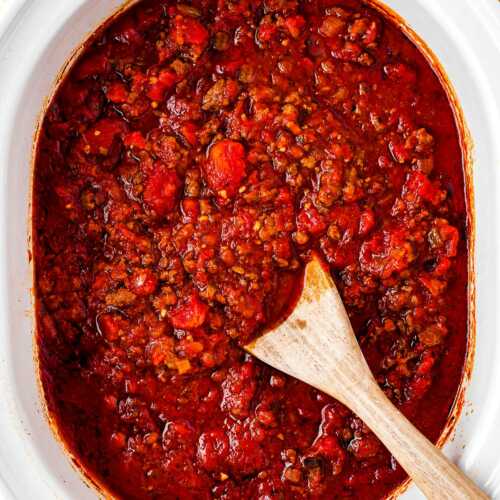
(329, 448)
(178, 433)
(349, 52)
(187, 30)
(99, 138)
(442, 267)
(190, 314)
(427, 362)
(117, 92)
(347, 218)
(167, 77)
(246, 454)
(418, 185)
(161, 351)
(295, 24)
(226, 167)
(266, 32)
(160, 84)
(213, 448)
(331, 26)
(135, 139)
(143, 282)
(386, 253)
(161, 189)
(232, 60)
(138, 81)
(190, 208)
(118, 440)
(189, 131)
(309, 220)
(365, 447)
(110, 325)
(433, 285)
(447, 239)
(238, 389)
(282, 248)
(341, 151)
(307, 65)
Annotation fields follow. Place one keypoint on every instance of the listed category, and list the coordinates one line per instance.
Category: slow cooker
(38, 37)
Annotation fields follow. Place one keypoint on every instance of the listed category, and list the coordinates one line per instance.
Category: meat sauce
(190, 162)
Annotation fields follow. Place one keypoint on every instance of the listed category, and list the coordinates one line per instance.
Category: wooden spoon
(317, 345)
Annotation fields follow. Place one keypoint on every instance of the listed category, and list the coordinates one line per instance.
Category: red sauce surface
(190, 162)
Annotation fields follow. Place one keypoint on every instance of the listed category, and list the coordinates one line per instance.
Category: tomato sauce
(190, 162)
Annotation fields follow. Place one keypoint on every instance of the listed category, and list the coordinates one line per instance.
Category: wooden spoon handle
(433, 473)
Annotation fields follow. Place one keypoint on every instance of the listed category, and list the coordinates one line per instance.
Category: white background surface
(36, 37)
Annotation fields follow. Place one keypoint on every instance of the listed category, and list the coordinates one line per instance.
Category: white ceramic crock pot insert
(36, 38)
